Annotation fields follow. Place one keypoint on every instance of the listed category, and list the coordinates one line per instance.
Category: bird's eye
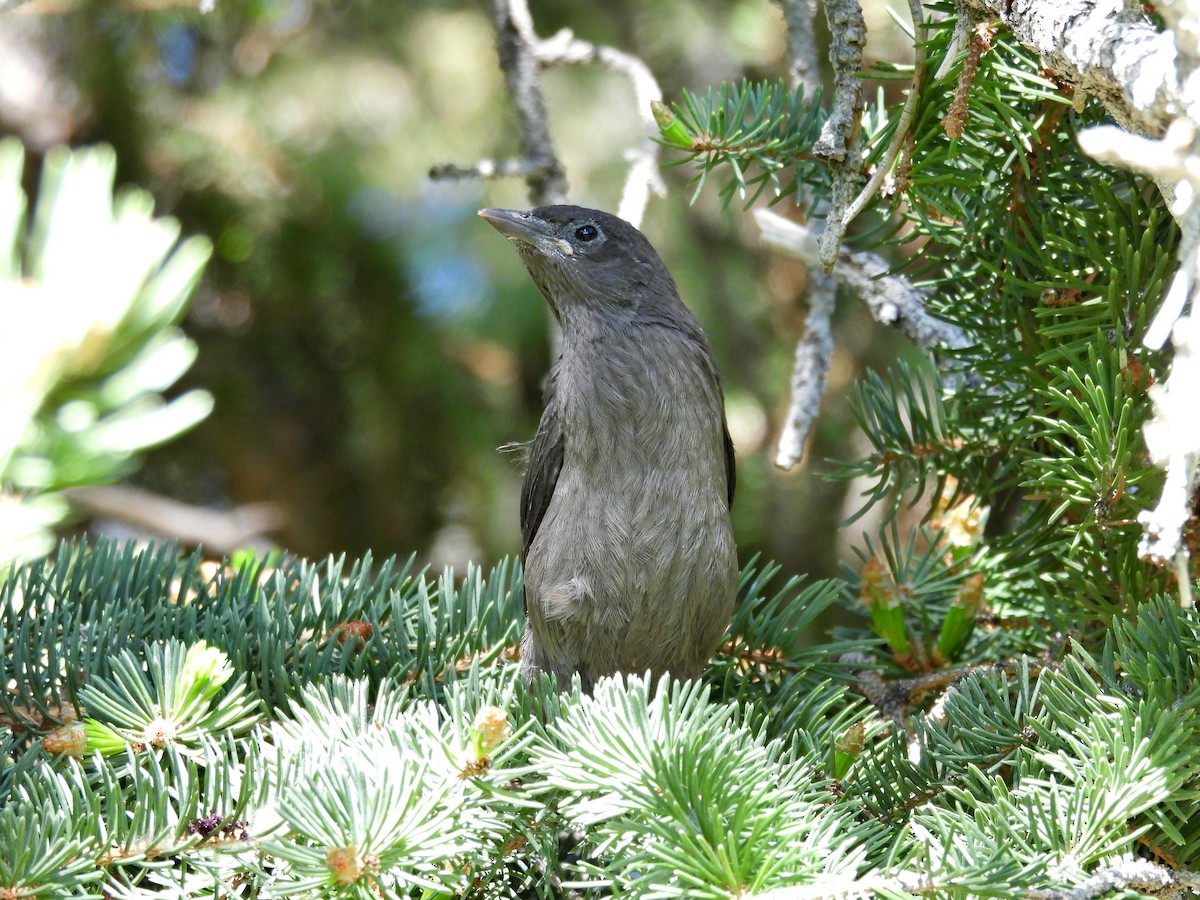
(587, 232)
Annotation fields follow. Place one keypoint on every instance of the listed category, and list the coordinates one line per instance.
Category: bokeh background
(371, 344)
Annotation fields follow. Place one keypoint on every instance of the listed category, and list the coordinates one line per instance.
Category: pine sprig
(687, 803)
(1028, 774)
(753, 131)
(916, 441)
(765, 666)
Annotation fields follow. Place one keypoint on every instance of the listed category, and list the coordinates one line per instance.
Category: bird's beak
(525, 228)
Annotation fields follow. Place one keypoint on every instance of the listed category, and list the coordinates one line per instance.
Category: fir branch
(1017, 781)
(1172, 436)
(896, 698)
(689, 805)
(755, 130)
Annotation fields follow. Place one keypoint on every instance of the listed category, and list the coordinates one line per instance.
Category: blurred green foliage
(90, 290)
(368, 345)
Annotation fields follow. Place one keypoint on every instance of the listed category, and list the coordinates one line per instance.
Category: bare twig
(484, 169)
(955, 120)
(643, 178)
(516, 44)
(814, 350)
(218, 531)
(62, 7)
(523, 55)
(840, 142)
(804, 67)
(896, 698)
(893, 300)
(814, 354)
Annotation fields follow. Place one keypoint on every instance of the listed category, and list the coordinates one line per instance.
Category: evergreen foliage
(1053, 264)
(91, 289)
(386, 754)
(1018, 716)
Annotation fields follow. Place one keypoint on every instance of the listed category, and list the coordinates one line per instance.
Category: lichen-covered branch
(1172, 157)
(516, 44)
(1111, 51)
(892, 300)
(814, 350)
(814, 355)
(840, 143)
(1139, 875)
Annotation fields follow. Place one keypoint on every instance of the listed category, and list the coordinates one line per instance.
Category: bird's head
(586, 262)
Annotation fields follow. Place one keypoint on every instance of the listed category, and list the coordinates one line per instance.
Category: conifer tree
(1017, 715)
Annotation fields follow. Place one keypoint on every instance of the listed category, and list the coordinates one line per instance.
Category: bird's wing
(545, 462)
(730, 463)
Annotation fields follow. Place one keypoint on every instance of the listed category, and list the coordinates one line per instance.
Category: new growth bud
(672, 129)
(960, 619)
(877, 592)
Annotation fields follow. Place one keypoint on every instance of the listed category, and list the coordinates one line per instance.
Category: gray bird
(630, 563)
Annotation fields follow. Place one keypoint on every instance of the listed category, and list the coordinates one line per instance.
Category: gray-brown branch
(516, 45)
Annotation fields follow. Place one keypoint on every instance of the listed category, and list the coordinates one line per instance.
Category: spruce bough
(391, 747)
(1015, 717)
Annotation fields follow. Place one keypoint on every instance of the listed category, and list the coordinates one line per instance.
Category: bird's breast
(642, 408)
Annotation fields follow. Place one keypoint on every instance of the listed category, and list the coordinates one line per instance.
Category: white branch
(893, 300)
(643, 178)
(1173, 438)
(1103, 48)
